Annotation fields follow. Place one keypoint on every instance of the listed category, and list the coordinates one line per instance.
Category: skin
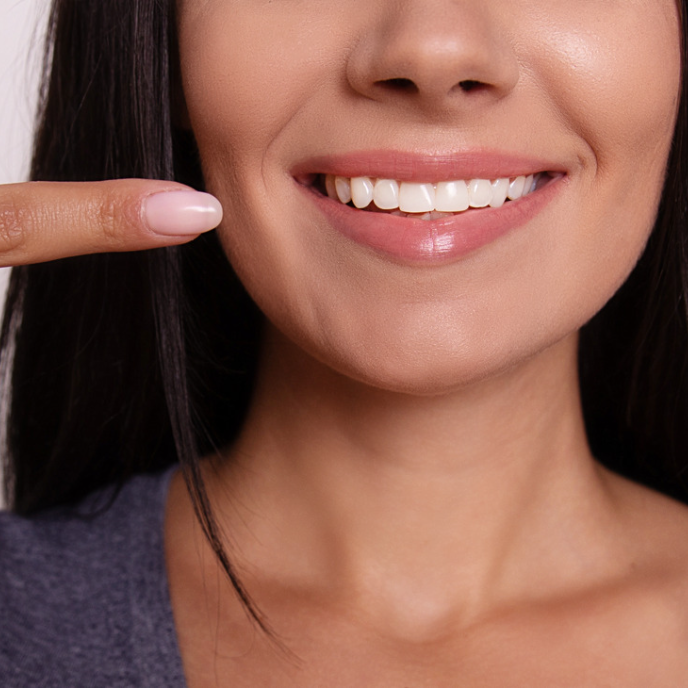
(412, 500)
(41, 221)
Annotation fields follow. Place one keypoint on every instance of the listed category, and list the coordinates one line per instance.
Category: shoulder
(655, 523)
(655, 530)
(66, 583)
(83, 545)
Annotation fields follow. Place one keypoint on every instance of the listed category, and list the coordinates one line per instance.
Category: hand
(41, 221)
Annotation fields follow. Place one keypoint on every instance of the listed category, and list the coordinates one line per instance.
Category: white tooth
(416, 198)
(479, 193)
(516, 188)
(451, 197)
(343, 188)
(330, 186)
(500, 188)
(530, 185)
(386, 194)
(435, 215)
(361, 191)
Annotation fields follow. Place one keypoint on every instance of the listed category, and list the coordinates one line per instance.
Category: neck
(460, 499)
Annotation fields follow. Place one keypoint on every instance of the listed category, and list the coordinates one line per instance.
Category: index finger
(41, 221)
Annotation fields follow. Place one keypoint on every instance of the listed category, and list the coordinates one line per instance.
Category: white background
(21, 32)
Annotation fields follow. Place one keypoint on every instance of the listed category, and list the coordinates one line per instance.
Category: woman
(427, 201)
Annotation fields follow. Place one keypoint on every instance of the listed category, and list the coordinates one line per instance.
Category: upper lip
(426, 167)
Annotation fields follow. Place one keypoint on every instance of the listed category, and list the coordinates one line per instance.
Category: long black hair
(119, 364)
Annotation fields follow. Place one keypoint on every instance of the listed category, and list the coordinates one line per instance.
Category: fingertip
(181, 213)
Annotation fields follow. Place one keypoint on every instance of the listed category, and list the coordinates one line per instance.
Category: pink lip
(434, 167)
(430, 242)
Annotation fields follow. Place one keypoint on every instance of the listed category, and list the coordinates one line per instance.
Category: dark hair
(118, 364)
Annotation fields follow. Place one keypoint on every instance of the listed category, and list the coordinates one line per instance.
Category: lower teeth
(434, 215)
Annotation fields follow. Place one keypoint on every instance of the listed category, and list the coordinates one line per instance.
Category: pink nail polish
(181, 213)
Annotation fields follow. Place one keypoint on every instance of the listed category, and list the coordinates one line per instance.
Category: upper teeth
(411, 197)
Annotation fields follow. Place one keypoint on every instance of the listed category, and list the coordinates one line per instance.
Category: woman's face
(284, 95)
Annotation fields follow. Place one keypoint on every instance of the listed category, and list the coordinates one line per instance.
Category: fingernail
(182, 213)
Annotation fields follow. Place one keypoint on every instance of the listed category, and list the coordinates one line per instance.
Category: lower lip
(434, 242)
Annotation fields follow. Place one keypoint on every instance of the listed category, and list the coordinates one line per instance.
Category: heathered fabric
(84, 600)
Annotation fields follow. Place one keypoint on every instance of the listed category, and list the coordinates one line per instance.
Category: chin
(407, 368)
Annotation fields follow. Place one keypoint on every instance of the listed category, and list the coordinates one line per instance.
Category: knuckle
(110, 220)
(116, 218)
(14, 223)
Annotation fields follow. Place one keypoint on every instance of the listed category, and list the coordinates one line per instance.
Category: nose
(435, 54)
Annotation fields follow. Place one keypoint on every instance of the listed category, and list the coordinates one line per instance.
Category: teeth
(386, 194)
(516, 188)
(426, 200)
(479, 193)
(416, 198)
(452, 197)
(434, 215)
(343, 189)
(500, 189)
(361, 191)
(331, 186)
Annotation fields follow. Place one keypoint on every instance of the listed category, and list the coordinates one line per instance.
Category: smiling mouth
(429, 200)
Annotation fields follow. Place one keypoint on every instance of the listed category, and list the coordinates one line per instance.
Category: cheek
(250, 70)
(247, 68)
(612, 80)
(612, 77)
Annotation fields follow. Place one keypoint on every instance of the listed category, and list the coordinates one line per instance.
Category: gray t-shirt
(84, 600)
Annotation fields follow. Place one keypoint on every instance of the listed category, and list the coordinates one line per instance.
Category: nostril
(398, 84)
(469, 85)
